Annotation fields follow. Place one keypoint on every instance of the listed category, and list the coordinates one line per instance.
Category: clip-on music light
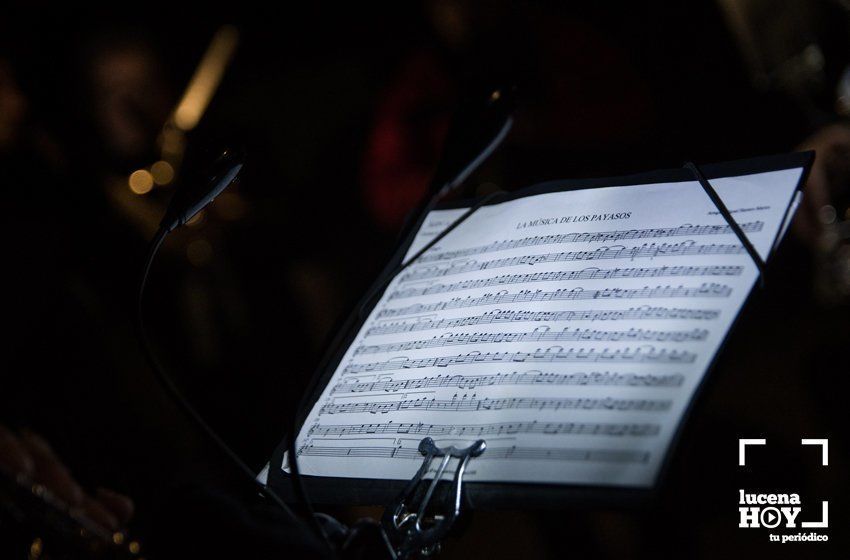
(477, 132)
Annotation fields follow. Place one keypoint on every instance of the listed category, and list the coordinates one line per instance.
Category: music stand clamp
(412, 531)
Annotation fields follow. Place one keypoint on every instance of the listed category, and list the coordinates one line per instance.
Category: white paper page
(569, 330)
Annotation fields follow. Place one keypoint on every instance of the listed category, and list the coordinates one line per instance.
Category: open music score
(568, 329)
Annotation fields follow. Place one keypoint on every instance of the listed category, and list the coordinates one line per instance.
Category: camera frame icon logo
(780, 510)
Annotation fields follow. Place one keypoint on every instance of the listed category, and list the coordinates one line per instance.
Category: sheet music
(569, 330)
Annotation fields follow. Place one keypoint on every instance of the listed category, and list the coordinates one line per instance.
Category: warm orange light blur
(162, 172)
(198, 219)
(206, 78)
(36, 548)
(141, 181)
(230, 206)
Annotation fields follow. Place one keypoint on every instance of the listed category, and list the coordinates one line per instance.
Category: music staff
(494, 429)
(473, 404)
(640, 355)
(515, 378)
(560, 276)
(574, 294)
(541, 334)
(513, 452)
(590, 237)
(498, 316)
(651, 250)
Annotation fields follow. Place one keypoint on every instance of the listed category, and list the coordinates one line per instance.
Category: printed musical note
(711, 290)
(646, 354)
(561, 276)
(492, 452)
(466, 403)
(542, 334)
(482, 430)
(651, 250)
(499, 316)
(588, 237)
(515, 378)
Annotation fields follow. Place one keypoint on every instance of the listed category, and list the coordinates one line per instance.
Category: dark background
(342, 110)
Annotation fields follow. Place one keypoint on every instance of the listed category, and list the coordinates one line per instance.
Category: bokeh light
(162, 172)
(141, 181)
